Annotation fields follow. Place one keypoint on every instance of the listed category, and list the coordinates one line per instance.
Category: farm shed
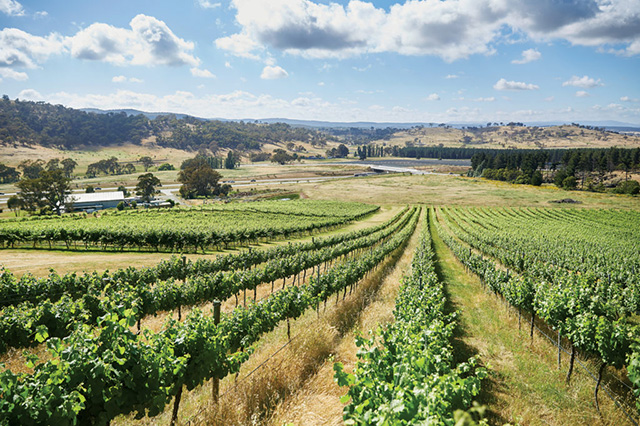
(96, 200)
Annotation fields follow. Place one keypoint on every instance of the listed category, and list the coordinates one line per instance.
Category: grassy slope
(502, 137)
(525, 385)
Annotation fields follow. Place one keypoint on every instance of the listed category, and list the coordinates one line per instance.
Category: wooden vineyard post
(571, 360)
(176, 406)
(595, 393)
(288, 329)
(215, 384)
(533, 319)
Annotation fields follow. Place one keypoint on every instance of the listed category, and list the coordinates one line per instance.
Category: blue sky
(413, 61)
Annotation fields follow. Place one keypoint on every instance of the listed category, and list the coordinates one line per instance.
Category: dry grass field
(456, 190)
(506, 137)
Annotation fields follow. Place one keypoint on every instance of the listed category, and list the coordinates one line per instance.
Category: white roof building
(95, 200)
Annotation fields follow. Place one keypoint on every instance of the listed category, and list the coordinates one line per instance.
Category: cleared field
(456, 190)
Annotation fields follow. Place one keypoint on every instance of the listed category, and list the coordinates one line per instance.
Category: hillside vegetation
(55, 126)
(26, 123)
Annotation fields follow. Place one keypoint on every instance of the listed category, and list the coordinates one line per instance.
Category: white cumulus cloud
(450, 29)
(528, 55)
(503, 84)
(30, 95)
(203, 73)
(433, 97)
(11, 8)
(240, 45)
(585, 82)
(208, 4)
(148, 42)
(13, 74)
(273, 72)
(19, 49)
(582, 94)
(123, 79)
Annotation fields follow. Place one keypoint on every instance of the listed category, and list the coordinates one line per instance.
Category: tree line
(587, 168)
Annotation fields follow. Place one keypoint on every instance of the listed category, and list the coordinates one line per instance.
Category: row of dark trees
(604, 160)
(109, 166)
(231, 161)
(575, 160)
(588, 168)
(33, 168)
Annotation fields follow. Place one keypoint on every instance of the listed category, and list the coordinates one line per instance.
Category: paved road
(423, 162)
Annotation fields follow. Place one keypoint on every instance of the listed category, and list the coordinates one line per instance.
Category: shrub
(560, 176)
(536, 178)
(631, 187)
(569, 183)
(165, 166)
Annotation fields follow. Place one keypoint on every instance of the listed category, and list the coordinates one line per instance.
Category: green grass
(525, 385)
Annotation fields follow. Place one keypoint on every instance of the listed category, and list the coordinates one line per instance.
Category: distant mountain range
(609, 125)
